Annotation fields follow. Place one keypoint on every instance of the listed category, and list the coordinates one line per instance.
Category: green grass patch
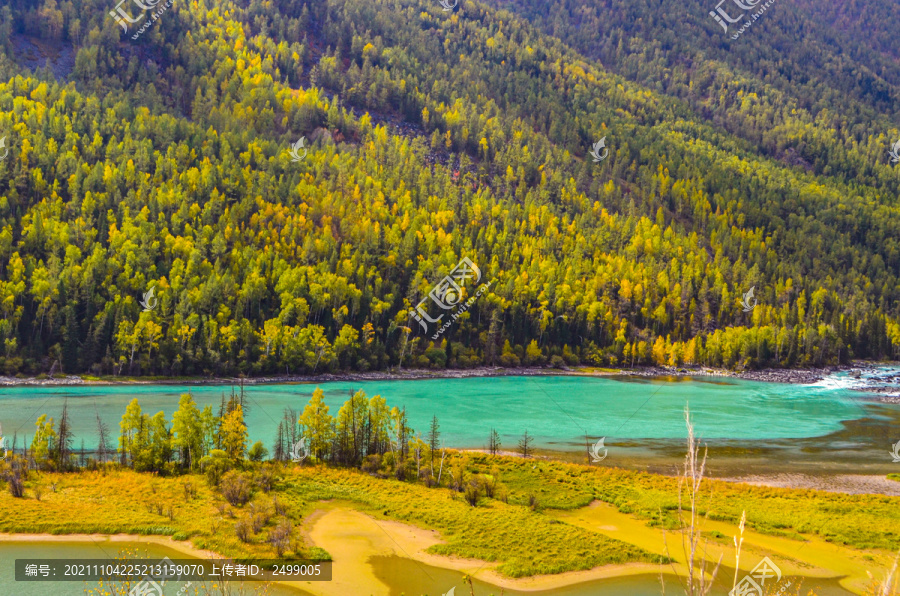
(514, 534)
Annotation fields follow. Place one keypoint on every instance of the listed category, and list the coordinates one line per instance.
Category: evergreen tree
(64, 437)
(103, 446)
(434, 438)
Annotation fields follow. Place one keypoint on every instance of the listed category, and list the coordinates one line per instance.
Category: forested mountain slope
(164, 163)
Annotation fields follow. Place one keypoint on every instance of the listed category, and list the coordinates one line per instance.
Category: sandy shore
(812, 557)
(351, 537)
(852, 484)
(182, 547)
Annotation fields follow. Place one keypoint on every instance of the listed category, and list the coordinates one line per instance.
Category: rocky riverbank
(793, 376)
(406, 374)
(771, 375)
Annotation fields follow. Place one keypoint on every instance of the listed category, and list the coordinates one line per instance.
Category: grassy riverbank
(523, 531)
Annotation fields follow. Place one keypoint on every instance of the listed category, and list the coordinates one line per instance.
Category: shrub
(437, 357)
(459, 474)
(278, 506)
(190, 491)
(371, 464)
(257, 452)
(215, 464)
(488, 484)
(472, 493)
(260, 515)
(156, 507)
(265, 479)
(235, 488)
(242, 529)
(14, 472)
(280, 536)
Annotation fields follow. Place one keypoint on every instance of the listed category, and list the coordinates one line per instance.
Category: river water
(749, 427)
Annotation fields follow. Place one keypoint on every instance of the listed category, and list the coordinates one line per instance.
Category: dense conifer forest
(154, 220)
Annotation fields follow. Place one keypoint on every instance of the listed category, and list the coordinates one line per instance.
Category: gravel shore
(852, 484)
(795, 376)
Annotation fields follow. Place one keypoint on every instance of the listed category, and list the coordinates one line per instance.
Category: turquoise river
(751, 427)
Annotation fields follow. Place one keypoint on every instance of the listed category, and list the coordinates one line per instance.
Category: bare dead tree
(278, 448)
(525, 444)
(494, 442)
(441, 471)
